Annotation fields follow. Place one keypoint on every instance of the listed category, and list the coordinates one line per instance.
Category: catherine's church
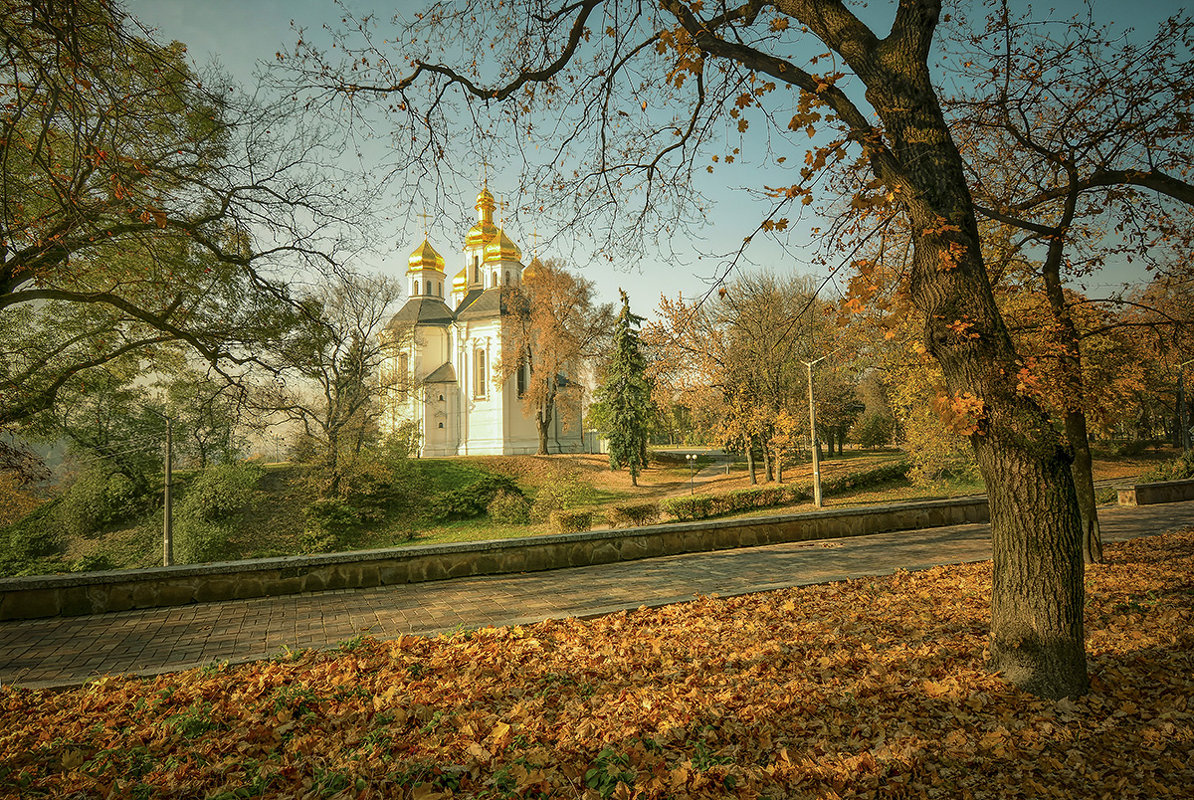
(444, 377)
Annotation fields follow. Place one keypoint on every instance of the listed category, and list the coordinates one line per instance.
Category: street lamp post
(691, 458)
(167, 500)
(1182, 420)
(812, 428)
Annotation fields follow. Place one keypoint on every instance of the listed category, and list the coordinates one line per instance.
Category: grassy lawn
(867, 688)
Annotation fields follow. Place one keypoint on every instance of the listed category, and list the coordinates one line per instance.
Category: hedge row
(633, 514)
(704, 506)
(878, 476)
(571, 521)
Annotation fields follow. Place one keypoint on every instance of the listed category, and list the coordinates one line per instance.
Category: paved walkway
(65, 651)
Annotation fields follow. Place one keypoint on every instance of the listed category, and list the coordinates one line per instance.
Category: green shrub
(633, 514)
(220, 491)
(330, 523)
(564, 490)
(197, 541)
(28, 547)
(204, 519)
(1134, 447)
(868, 478)
(575, 521)
(755, 497)
(98, 499)
(509, 509)
(470, 501)
(695, 506)
(1175, 469)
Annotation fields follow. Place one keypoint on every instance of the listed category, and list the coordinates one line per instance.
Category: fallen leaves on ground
(868, 688)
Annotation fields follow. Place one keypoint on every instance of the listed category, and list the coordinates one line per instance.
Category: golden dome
(461, 280)
(485, 201)
(483, 232)
(425, 257)
(480, 234)
(501, 248)
(533, 270)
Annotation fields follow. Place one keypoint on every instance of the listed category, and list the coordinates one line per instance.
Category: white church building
(443, 375)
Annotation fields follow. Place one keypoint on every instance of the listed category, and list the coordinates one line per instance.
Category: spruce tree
(625, 396)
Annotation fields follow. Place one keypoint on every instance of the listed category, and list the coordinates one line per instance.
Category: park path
(66, 651)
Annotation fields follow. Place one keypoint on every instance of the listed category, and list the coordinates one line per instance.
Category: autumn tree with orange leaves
(551, 328)
(738, 357)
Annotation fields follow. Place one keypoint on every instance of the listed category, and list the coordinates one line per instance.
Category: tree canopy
(142, 205)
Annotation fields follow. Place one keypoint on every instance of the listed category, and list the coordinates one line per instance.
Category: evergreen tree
(625, 396)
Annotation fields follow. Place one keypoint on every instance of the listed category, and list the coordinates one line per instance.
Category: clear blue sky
(240, 33)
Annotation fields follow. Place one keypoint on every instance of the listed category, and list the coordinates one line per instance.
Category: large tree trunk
(750, 461)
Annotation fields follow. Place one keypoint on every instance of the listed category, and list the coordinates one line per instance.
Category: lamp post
(167, 500)
(1182, 420)
(812, 428)
(691, 458)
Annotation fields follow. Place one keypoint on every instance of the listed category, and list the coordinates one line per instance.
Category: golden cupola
(501, 248)
(425, 257)
(484, 231)
(460, 282)
(533, 270)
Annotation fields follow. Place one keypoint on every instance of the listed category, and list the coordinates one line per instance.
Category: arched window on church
(414, 288)
(495, 278)
(428, 287)
(507, 277)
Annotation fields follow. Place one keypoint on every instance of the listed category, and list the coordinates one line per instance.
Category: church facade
(442, 350)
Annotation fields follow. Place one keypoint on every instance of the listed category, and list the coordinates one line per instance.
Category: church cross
(425, 217)
(535, 240)
(485, 165)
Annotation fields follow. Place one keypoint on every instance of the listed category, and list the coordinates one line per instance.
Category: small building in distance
(440, 368)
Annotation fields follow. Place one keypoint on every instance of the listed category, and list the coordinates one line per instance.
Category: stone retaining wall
(122, 590)
(1143, 494)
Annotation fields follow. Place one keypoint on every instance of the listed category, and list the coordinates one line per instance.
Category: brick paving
(65, 651)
